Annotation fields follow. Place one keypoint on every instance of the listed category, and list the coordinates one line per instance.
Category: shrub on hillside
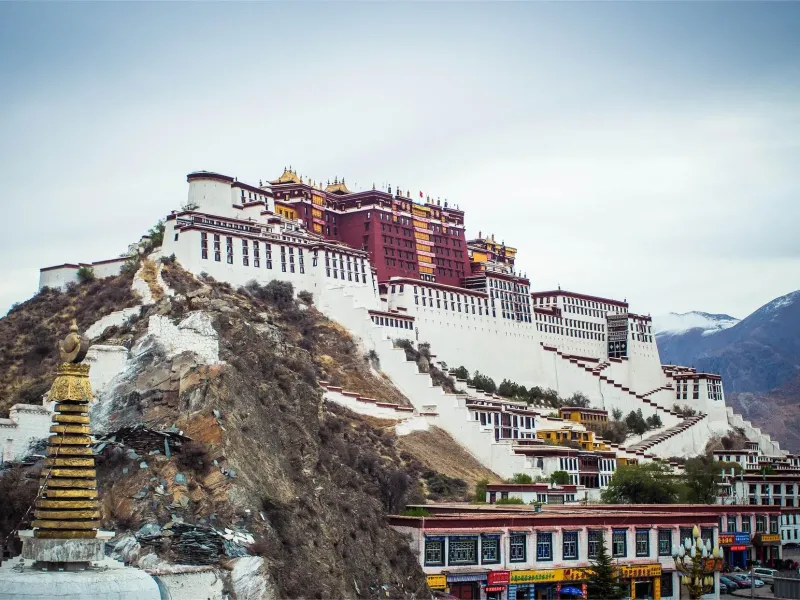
(510, 501)
(306, 296)
(86, 274)
(481, 489)
(520, 478)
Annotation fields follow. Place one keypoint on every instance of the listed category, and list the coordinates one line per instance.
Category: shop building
(746, 532)
(517, 553)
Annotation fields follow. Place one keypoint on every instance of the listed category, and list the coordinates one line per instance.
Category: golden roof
(288, 176)
(337, 187)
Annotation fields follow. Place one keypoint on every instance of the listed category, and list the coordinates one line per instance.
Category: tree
(602, 582)
(521, 478)
(635, 422)
(481, 490)
(653, 421)
(559, 478)
(507, 389)
(650, 483)
(483, 382)
(702, 476)
(577, 399)
(616, 414)
(156, 234)
(86, 274)
(461, 373)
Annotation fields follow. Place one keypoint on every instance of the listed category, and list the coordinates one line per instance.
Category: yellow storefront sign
(437, 582)
(769, 537)
(545, 575)
(631, 571)
(556, 575)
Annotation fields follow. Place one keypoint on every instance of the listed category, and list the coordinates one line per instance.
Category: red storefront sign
(498, 578)
(738, 548)
(494, 588)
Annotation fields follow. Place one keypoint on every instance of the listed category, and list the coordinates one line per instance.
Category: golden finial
(73, 348)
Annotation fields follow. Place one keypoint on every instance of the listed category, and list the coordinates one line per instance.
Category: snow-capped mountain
(758, 358)
(757, 354)
(678, 323)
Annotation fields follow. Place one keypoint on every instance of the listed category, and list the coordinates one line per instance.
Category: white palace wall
(497, 347)
(187, 250)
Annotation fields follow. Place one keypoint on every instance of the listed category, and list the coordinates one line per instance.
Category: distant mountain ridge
(758, 358)
(757, 354)
(677, 323)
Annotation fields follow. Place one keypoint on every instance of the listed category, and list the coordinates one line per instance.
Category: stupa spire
(67, 507)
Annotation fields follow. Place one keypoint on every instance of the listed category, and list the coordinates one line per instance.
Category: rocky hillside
(217, 423)
(758, 358)
(29, 332)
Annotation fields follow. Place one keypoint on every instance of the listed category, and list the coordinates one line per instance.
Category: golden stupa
(67, 507)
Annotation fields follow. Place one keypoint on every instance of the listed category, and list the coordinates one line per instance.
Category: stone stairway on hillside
(662, 436)
(445, 410)
(765, 442)
(584, 362)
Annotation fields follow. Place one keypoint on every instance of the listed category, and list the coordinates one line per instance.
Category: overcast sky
(645, 151)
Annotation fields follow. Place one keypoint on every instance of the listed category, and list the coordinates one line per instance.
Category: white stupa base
(97, 576)
(107, 580)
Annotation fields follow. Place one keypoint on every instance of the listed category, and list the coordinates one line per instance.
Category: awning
(458, 577)
(572, 591)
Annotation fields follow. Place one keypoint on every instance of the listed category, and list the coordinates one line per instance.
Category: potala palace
(388, 266)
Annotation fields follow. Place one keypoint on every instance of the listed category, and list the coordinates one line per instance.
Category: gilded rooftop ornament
(67, 506)
(73, 348)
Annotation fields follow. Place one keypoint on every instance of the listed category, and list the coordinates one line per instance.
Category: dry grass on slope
(437, 451)
(30, 331)
(150, 275)
(344, 365)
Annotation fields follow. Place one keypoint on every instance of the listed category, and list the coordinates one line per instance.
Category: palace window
(570, 545)
(544, 546)
(664, 542)
(746, 524)
(283, 258)
(245, 254)
(518, 544)
(462, 551)
(434, 551)
(490, 550)
(619, 544)
(203, 244)
(229, 249)
(761, 524)
(217, 251)
(642, 542)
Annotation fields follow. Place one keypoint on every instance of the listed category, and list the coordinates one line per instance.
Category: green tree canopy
(481, 488)
(602, 582)
(520, 478)
(559, 478)
(650, 483)
(702, 478)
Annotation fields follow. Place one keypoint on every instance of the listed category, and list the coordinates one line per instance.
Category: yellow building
(593, 418)
(585, 439)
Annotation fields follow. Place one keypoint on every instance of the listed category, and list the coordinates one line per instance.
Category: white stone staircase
(447, 411)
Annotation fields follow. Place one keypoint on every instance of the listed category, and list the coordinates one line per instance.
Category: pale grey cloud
(646, 152)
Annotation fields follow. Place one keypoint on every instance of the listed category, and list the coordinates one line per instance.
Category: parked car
(765, 574)
(746, 580)
(723, 589)
(732, 583)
